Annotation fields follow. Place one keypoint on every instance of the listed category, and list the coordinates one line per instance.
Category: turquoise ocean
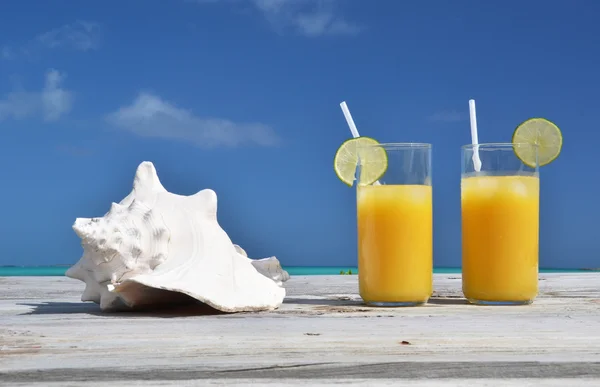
(15, 271)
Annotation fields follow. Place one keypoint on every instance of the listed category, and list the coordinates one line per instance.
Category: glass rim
(407, 145)
(498, 145)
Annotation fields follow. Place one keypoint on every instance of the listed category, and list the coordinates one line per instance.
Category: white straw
(474, 139)
(349, 119)
(351, 124)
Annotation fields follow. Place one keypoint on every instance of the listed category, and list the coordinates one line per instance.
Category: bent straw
(474, 139)
(351, 124)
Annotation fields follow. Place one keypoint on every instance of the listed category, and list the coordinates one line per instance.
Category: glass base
(387, 304)
(499, 303)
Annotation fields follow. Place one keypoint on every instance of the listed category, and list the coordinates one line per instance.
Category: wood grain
(322, 332)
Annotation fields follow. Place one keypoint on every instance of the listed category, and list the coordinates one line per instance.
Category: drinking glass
(500, 224)
(395, 229)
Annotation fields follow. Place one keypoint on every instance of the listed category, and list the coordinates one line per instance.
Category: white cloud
(447, 116)
(323, 23)
(151, 116)
(50, 103)
(311, 18)
(56, 101)
(80, 36)
(6, 53)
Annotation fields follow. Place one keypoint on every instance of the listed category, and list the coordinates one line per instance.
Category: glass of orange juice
(395, 230)
(500, 224)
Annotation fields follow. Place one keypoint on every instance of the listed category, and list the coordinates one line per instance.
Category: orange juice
(500, 228)
(395, 243)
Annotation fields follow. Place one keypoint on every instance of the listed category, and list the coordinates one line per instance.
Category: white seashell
(156, 247)
(269, 267)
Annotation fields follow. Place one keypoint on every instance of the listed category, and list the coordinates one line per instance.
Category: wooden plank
(322, 332)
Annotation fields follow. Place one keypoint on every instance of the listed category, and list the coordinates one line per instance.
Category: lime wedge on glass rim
(541, 132)
(373, 161)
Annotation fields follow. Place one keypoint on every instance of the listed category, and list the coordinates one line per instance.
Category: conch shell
(156, 248)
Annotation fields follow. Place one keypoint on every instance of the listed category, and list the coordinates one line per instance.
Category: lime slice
(545, 134)
(373, 161)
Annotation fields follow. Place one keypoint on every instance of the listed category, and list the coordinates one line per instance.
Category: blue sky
(243, 97)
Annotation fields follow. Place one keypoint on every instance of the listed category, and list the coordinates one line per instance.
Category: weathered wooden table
(322, 332)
